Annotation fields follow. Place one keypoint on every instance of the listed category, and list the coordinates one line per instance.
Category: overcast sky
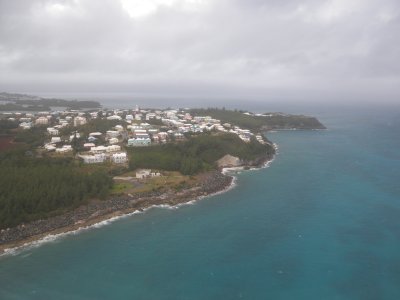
(316, 49)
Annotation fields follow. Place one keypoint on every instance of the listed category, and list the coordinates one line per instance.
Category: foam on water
(50, 238)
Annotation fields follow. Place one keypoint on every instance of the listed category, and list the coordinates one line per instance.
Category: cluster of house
(134, 130)
(28, 120)
(184, 123)
(176, 124)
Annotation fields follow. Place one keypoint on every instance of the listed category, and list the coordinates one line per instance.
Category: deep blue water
(322, 222)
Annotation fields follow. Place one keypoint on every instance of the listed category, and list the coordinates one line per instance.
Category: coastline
(19, 237)
(99, 213)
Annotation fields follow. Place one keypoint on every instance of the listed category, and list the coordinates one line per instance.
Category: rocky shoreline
(97, 211)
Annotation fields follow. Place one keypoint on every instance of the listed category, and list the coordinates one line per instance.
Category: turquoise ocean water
(322, 222)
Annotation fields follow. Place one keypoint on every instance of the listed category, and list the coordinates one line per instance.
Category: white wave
(56, 237)
(166, 206)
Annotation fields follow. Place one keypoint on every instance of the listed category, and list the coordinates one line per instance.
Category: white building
(145, 125)
(119, 128)
(78, 121)
(114, 117)
(52, 131)
(42, 121)
(119, 158)
(64, 149)
(95, 134)
(50, 147)
(112, 133)
(162, 136)
(113, 148)
(150, 116)
(25, 125)
(71, 137)
(98, 149)
(89, 145)
(93, 159)
(139, 142)
(113, 141)
(55, 139)
(142, 173)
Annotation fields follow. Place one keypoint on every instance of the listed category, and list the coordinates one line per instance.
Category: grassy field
(168, 180)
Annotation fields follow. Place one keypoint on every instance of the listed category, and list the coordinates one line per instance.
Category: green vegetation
(155, 122)
(38, 188)
(197, 154)
(23, 102)
(20, 107)
(169, 180)
(33, 137)
(6, 126)
(280, 121)
(232, 117)
(258, 123)
(35, 184)
(95, 125)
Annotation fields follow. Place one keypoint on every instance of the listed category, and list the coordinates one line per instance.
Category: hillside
(262, 122)
(199, 153)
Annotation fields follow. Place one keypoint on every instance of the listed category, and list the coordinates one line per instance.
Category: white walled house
(71, 137)
(50, 147)
(55, 139)
(119, 128)
(137, 142)
(113, 141)
(42, 121)
(114, 117)
(112, 133)
(94, 159)
(98, 149)
(89, 145)
(52, 131)
(95, 134)
(119, 158)
(26, 125)
(142, 173)
(113, 148)
(64, 149)
(78, 121)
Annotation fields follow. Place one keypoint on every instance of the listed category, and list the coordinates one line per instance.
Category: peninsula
(61, 170)
(22, 102)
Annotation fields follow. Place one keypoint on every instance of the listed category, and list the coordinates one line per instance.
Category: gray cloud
(316, 49)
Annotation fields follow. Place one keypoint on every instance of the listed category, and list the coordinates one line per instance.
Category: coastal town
(66, 133)
(70, 166)
(117, 160)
